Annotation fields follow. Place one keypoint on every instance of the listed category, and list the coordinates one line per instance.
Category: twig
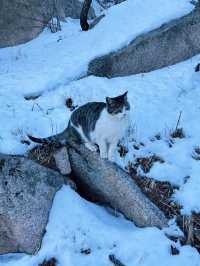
(115, 261)
(179, 118)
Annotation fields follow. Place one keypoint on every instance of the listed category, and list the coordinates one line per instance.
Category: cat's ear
(109, 100)
(125, 94)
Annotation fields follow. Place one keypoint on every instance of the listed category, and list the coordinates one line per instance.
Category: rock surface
(26, 194)
(51, 156)
(173, 42)
(62, 161)
(23, 20)
(109, 3)
(112, 185)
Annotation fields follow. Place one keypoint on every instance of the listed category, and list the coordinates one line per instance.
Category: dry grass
(115, 261)
(86, 251)
(31, 97)
(145, 163)
(190, 225)
(178, 133)
(69, 104)
(174, 250)
(196, 154)
(51, 262)
(122, 150)
(44, 155)
(160, 193)
(156, 137)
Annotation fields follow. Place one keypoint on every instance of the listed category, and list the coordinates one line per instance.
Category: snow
(88, 226)
(53, 66)
(65, 55)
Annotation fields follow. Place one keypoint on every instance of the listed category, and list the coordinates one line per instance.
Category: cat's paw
(103, 155)
(111, 159)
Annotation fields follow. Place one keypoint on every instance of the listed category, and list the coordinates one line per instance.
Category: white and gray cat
(97, 124)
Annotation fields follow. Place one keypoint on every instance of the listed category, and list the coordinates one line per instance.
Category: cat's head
(118, 106)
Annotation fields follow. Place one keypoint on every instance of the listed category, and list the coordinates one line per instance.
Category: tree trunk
(84, 14)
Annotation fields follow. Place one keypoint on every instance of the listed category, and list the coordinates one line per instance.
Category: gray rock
(62, 161)
(110, 184)
(26, 194)
(109, 3)
(23, 20)
(72, 8)
(173, 42)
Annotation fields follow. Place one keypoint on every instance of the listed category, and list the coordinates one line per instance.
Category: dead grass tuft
(69, 104)
(178, 133)
(145, 163)
(160, 193)
(44, 155)
(122, 150)
(196, 154)
(51, 262)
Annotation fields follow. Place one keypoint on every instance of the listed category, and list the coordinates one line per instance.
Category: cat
(99, 125)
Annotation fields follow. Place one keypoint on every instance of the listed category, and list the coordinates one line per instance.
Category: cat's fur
(98, 123)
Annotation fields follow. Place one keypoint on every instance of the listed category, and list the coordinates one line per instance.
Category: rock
(62, 161)
(109, 3)
(23, 20)
(72, 8)
(110, 184)
(173, 42)
(26, 194)
(55, 158)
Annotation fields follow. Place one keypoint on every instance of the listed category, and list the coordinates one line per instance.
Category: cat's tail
(40, 140)
(58, 139)
(63, 138)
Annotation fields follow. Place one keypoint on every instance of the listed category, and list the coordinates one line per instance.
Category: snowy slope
(50, 65)
(50, 60)
(156, 100)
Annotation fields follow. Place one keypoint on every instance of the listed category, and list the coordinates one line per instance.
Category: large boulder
(109, 3)
(27, 190)
(23, 20)
(102, 180)
(173, 42)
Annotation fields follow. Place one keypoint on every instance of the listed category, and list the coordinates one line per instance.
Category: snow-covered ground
(50, 66)
(76, 225)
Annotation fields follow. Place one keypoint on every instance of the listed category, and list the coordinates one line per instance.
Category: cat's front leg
(111, 151)
(103, 150)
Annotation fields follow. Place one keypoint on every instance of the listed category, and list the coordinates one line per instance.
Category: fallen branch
(115, 261)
